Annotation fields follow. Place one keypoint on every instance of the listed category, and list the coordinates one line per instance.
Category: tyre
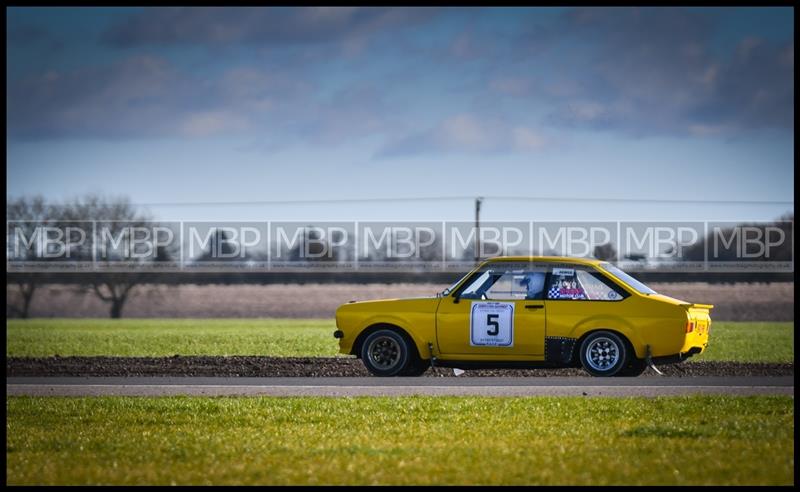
(604, 354)
(416, 366)
(634, 368)
(385, 353)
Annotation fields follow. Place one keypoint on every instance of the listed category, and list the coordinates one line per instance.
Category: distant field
(744, 342)
(405, 440)
(732, 302)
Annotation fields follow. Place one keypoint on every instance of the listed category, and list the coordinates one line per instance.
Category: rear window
(640, 287)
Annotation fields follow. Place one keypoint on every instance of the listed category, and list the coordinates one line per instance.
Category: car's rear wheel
(604, 353)
(385, 353)
(634, 368)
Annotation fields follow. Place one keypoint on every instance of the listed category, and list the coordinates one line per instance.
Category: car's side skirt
(496, 364)
(558, 353)
(559, 350)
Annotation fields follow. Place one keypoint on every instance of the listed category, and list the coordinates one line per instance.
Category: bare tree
(27, 213)
(220, 248)
(26, 286)
(728, 252)
(314, 247)
(116, 217)
(115, 291)
(605, 252)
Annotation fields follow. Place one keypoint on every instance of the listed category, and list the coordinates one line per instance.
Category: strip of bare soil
(732, 302)
(253, 366)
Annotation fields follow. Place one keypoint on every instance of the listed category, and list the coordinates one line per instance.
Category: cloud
(511, 86)
(125, 98)
(146, 96)
(26, 34)
(203, 124)
(527, 139)
(635, 71)
(263, 25)
(653, 71)
(465, 133)
(277, 95)
(755, 89)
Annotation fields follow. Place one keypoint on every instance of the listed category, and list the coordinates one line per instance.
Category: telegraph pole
(478, 201)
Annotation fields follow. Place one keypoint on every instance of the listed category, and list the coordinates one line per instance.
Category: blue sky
(189, 105)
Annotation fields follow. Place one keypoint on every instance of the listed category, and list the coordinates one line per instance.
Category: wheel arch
(625, 338)
(383, 325)
(615, 325)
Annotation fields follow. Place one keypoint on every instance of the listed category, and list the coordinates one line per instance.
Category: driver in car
(534, 282)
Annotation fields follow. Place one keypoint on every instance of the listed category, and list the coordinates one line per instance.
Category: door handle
(534, 306)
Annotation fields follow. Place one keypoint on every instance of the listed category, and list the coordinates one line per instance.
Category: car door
(579, 294)
(499, 314)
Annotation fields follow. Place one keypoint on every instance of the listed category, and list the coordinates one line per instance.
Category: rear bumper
(697, 340)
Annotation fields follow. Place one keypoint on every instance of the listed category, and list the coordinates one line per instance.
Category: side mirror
(456, 298)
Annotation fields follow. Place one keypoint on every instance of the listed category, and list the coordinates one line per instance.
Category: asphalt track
(348, 386)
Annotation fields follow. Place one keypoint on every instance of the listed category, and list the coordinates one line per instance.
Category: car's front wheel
(416, 366)
(604, 353)
(385, 353)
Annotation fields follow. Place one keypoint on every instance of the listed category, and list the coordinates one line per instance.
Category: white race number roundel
(491, 324)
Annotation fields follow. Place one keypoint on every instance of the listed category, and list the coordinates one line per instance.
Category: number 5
(493, 322)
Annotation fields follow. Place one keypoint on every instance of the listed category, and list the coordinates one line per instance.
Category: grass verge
(750, 342)
(407, 440)
(166, 337)
(730, 341)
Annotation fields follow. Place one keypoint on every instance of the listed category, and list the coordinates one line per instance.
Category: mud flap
(650, 364)
(433, 358)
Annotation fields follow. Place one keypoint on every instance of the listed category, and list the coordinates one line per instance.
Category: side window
(510, 282)
(580, 284)
(595, 288)
(518, 285)
(534, 284)
(473, 290)
(564, 285)
(507, 287)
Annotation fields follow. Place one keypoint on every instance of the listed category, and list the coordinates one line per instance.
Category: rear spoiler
(700, 306)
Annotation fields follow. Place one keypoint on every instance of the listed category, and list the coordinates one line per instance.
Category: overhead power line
(646, 200)
(309, 201)
(465, 197)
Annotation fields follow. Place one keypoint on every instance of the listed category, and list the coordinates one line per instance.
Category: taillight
(689, 326)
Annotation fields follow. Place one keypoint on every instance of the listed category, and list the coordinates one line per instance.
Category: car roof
(553, 259)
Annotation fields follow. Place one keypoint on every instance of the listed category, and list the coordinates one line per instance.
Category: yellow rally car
(527, 312)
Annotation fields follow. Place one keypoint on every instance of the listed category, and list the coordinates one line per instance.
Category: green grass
(166, 337)
(407, 440)
(747, 342)
(750, 342)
